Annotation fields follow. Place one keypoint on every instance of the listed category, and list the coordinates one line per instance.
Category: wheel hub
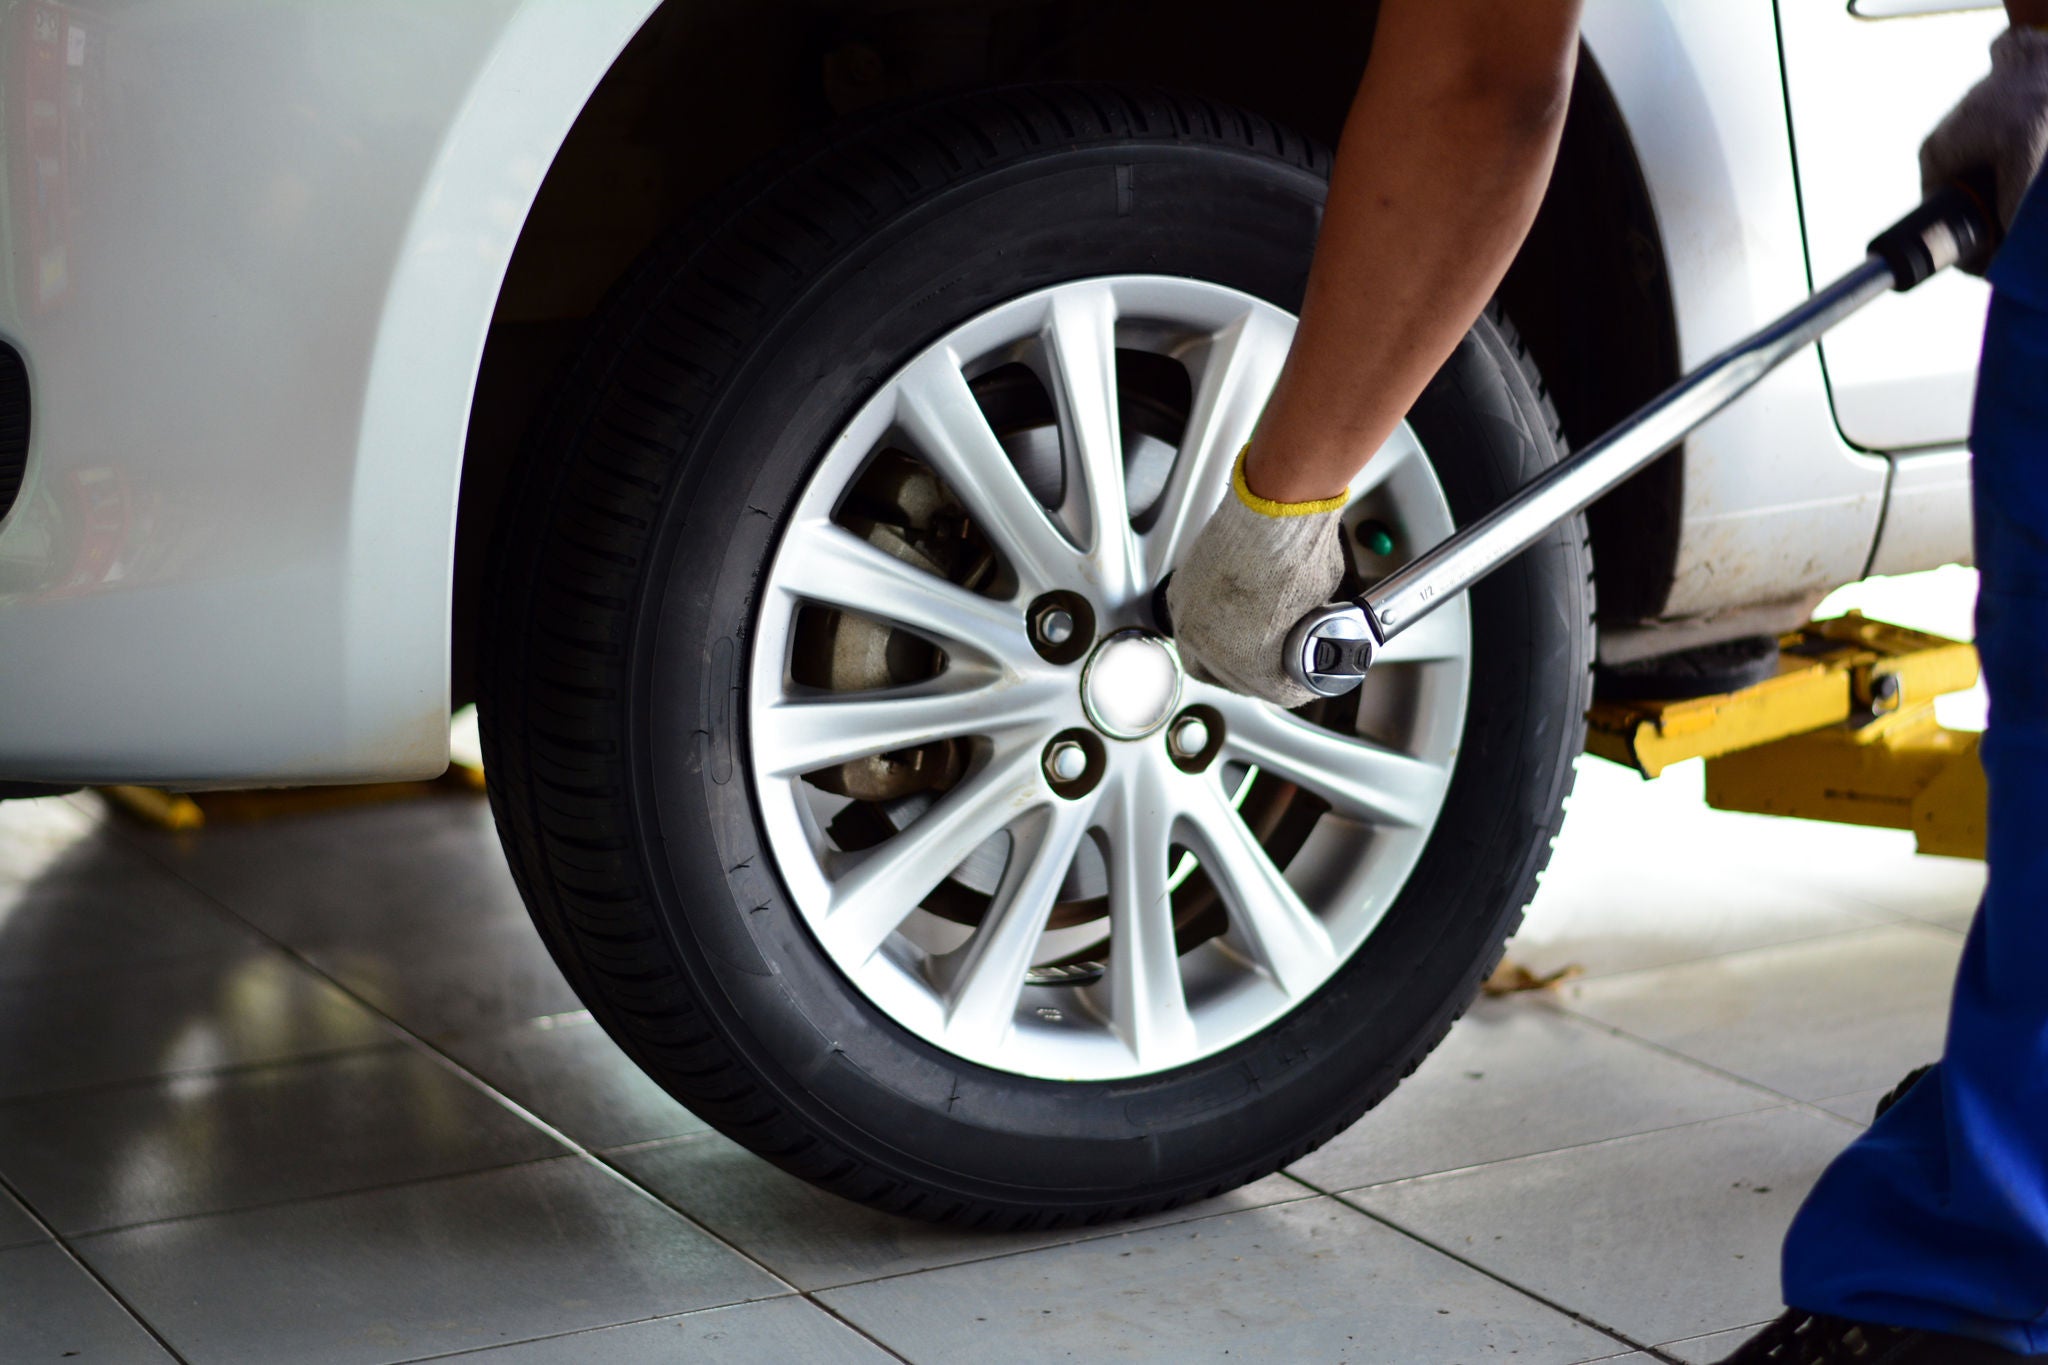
(1131, 684)
(1006, 814)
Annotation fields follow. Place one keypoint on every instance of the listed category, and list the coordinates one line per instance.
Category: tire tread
(573, 559)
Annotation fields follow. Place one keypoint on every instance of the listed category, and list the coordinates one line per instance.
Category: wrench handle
(1958, 226)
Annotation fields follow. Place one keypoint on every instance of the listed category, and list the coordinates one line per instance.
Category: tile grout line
(1583, 1319)
(63, 1244)
(1308, 1194)
(855, 1327)
(421, 1044)
(1588, 1145)
(597, 1157)
(1592, 978)
(225, 1071)
(424, 1046)
(1785, 1100)
(466, 1351)
(613, 1326)
(1903, 921)
(264, 1206)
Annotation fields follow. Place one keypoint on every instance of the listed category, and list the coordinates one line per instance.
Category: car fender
(253, 321)
(1777, 506)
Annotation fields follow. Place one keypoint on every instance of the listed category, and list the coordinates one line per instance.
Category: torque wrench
(1330, 650)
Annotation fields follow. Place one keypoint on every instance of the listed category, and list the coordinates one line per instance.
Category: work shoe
(1802, 1338)
(1898, 1092)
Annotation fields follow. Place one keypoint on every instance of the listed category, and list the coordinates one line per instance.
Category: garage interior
(306, 1084)
(311, 1090)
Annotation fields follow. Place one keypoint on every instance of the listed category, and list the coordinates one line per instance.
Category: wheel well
(1591, 295)
(707, 90)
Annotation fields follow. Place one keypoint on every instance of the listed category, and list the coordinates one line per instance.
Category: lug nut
(1190, 737)
(1066, 761)
(1055, 626)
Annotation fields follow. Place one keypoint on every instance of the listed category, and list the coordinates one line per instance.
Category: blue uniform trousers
(1938, 1216)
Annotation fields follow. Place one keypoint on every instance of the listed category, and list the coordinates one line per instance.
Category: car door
(1865, 81)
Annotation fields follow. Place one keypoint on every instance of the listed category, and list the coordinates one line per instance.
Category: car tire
(637, 563)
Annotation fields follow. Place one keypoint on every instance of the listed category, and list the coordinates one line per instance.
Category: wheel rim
(912, 722)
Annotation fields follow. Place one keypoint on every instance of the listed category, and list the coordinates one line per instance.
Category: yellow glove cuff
(1266, 507)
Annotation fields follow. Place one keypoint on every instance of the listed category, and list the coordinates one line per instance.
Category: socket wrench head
(1330, 650)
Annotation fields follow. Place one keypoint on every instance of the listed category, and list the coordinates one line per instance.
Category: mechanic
(1927, 1239)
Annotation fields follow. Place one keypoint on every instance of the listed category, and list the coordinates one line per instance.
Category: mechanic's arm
(1443, 162)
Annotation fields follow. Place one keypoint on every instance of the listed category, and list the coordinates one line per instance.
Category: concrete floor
(311, 1091)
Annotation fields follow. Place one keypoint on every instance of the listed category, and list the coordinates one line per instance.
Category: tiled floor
(312, 1091)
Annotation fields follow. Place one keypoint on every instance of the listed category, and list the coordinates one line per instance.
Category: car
(779, 419)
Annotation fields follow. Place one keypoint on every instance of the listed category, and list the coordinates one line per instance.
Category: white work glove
(1256, 568)
(2001, 124)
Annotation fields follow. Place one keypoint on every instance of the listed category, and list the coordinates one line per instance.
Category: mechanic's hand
(1256, 568)
(2002, 123)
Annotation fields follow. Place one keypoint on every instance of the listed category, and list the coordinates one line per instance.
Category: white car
(773, 414)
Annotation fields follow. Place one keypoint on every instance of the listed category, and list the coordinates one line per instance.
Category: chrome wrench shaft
(1330, 650)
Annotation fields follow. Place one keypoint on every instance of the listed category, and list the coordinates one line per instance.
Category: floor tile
(1664, 1236)
(200, 1144)
(462, 983)
(50, 1310)
(814, 1239)
(396, 1274)
(1517, 1077)
(1586, 1158)
(1810, 1019)
(16, 1227)
(34, 834)
(1711, 1349)
(774, 1330)
(1304, 1282)
(96, 904)
(1645, 875)
(1858, 1106)
(305, 879)
(570, 1073)
(1874, 866)
(66, 1032)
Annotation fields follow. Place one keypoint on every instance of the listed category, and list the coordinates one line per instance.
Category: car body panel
(1863, 94)
(1927, 520)
(282, 248)
(283, 230)
(1777, 505)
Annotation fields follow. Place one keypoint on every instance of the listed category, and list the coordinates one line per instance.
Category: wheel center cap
(1131, 684)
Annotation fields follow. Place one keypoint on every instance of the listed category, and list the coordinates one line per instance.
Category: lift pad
(1846, 733)
(179, 811)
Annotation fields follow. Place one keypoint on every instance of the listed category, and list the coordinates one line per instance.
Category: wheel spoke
(815, 730)
(828, 564)
(1147, 1005)
(1080, 347)
(1443, 634)
(938, 413)
(1244, 361)
(875, 896)
(1386, 462)
(1360, 779)
(968, 991)
(1266, 914)
(983, 999)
